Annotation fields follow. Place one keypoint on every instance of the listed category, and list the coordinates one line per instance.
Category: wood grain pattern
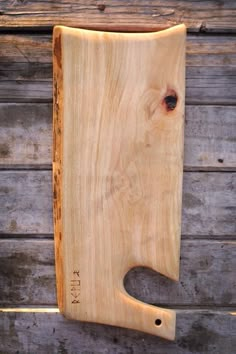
(27, 276)
(117, 170)
(204, 85)
(26, 199)
(27, 273)
(32, 49)
(141, 15)
(208, 203)
(26, 70)
(198, 332)
(26, 137)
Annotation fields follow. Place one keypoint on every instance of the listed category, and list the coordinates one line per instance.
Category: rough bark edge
(57, 157)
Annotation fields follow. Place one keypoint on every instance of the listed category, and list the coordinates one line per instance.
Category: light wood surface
(27, 267)
(118, 165)
(118, 161)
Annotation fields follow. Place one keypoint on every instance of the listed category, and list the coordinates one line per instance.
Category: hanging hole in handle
(158, 322)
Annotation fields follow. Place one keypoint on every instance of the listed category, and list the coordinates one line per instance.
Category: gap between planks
(48, 167)
(178, 308)
(50, 237)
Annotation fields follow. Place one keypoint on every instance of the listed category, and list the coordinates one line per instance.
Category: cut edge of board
(57, 159)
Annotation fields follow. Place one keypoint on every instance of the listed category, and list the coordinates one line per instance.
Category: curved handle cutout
(143, 316)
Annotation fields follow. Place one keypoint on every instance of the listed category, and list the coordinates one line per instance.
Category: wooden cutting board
(117, 170)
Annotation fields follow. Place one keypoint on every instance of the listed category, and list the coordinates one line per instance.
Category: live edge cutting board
(117, 169)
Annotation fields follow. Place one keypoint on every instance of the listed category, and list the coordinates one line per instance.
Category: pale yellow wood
(118, 163)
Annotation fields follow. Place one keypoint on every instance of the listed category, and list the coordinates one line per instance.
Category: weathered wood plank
(204, 85)
(25, 91)
(209, 203)
(26, 72)
(28, 275)
(30, 49)
(198, 332)
(27, 272)
(26, 136)
(212, 16)
(26, 202)
(26, 49)
(210, 137)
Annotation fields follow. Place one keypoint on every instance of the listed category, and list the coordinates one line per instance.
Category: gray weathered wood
(26, 72)
(25, 91)
(26, 202)
(26, 136)
(212, 16)
(210, 137)
(207, 275)
(27, 273)
(209, 203)
(198, 332)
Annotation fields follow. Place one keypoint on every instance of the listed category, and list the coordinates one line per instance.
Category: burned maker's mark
(75, 287)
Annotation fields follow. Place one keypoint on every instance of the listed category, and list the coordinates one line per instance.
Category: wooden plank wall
(205, 296)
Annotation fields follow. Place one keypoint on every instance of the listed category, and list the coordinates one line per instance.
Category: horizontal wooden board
(210, 137)
(26, 69)
(209, 203)
(28, 275)
(26, 136)
(198, 332)
(203, 16)
(215, 85)
(23, 48)
(27, 272)
(29, 49)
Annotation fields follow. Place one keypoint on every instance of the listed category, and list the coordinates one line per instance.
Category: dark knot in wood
(171, 102)
(101, 7)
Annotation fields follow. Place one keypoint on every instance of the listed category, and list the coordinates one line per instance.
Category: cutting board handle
(144, 317)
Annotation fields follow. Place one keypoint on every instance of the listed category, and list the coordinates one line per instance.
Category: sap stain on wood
(101, 7)
(198, 338)
(57, 153)
(13, 226)
(4, 151)
(191, 201)
(57, 49)
(13, 275)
